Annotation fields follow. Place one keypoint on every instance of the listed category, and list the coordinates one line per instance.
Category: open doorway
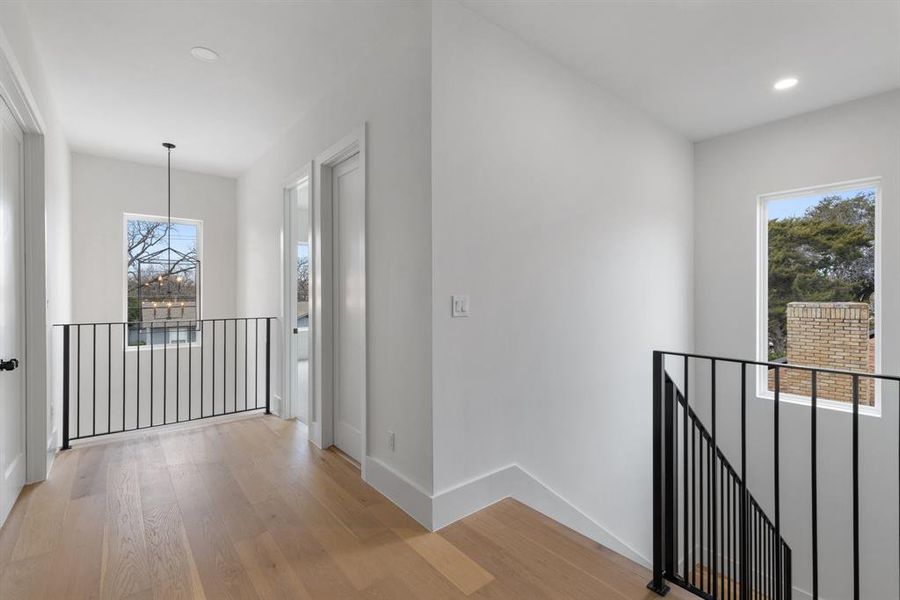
(297, 298)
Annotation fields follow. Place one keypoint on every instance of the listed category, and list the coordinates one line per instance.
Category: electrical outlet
(391, 440)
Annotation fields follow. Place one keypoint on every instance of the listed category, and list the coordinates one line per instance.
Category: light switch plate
(460, 306)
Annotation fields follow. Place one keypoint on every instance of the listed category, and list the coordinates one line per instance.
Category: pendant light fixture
(169, 278)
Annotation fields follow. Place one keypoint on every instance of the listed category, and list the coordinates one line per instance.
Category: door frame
(321, 278)
(288, 302)
(41, 438)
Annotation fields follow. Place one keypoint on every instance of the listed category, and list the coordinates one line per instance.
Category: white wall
(388, 92)
(103, 189)
(566, 216)
(852, 141)
(16, 38)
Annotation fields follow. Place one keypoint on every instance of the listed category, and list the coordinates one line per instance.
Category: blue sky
(184, 238)
(795, 207)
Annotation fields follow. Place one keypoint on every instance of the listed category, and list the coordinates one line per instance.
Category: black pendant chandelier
(169, 278)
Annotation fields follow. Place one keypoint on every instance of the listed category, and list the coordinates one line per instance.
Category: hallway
(249, 509)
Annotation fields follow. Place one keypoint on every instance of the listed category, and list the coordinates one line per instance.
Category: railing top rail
(777, 365)
(161, 322)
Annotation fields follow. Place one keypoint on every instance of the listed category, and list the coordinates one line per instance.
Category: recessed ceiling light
(786, 83)
(204, 54)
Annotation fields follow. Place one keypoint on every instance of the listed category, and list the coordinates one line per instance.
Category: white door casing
(12, 310)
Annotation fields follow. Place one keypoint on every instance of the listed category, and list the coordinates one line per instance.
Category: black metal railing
(710, 535)
(125, 376)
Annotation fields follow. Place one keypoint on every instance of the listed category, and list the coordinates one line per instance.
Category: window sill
(834, 405)
(169, 346)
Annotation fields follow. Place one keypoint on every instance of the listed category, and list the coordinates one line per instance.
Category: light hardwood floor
(250, 509)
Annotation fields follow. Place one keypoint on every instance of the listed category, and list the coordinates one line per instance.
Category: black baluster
(152, 370)
(684, 442)
(178, 371)
(108, 377)
(768, 560)
(777, 478)
(709, 511)
(714, 504)
(65, 388)
(669, 466)
(166, 329)
(745, 536)
(202, 365)
(78, 387)
(137, 379)
(657, 584)
(190, 370)
(124, 369)
(813, 452)
(246, 372)
(856, 487)
(754, 550)
(774, 552)
(213, 399)
(694, 522)
(234, 399)
(269, 367)
(94, 379)
(702, 496)
(256, 366)
(788, 586)
(760, 564)
(224, 366)
(726, 529)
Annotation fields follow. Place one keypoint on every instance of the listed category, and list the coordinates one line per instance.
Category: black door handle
(9, 365)
(296, 330)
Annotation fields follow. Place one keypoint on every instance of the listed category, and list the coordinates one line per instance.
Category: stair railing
(124, 376)
(729, 547)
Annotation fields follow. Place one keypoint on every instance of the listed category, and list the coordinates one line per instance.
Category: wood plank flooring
(251, 509)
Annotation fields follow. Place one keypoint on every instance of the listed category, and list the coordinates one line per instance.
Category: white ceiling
(124, 79)
(706, 67)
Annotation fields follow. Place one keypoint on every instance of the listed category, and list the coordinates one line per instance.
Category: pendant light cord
(169, 213)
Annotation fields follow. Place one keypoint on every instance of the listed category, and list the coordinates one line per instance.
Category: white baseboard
(170, 428)
(437, 511)
(467, 498)
(406, 494)
(278, 407)
(515, 482)
(52, 449)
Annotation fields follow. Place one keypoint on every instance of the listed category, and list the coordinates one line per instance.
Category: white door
(348, 202)
(12, 312)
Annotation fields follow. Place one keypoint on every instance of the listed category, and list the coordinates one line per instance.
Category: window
(163, 286)
(303, 285)
(818, 283)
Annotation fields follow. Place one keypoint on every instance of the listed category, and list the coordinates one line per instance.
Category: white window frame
(162, 219)
(762, 295)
